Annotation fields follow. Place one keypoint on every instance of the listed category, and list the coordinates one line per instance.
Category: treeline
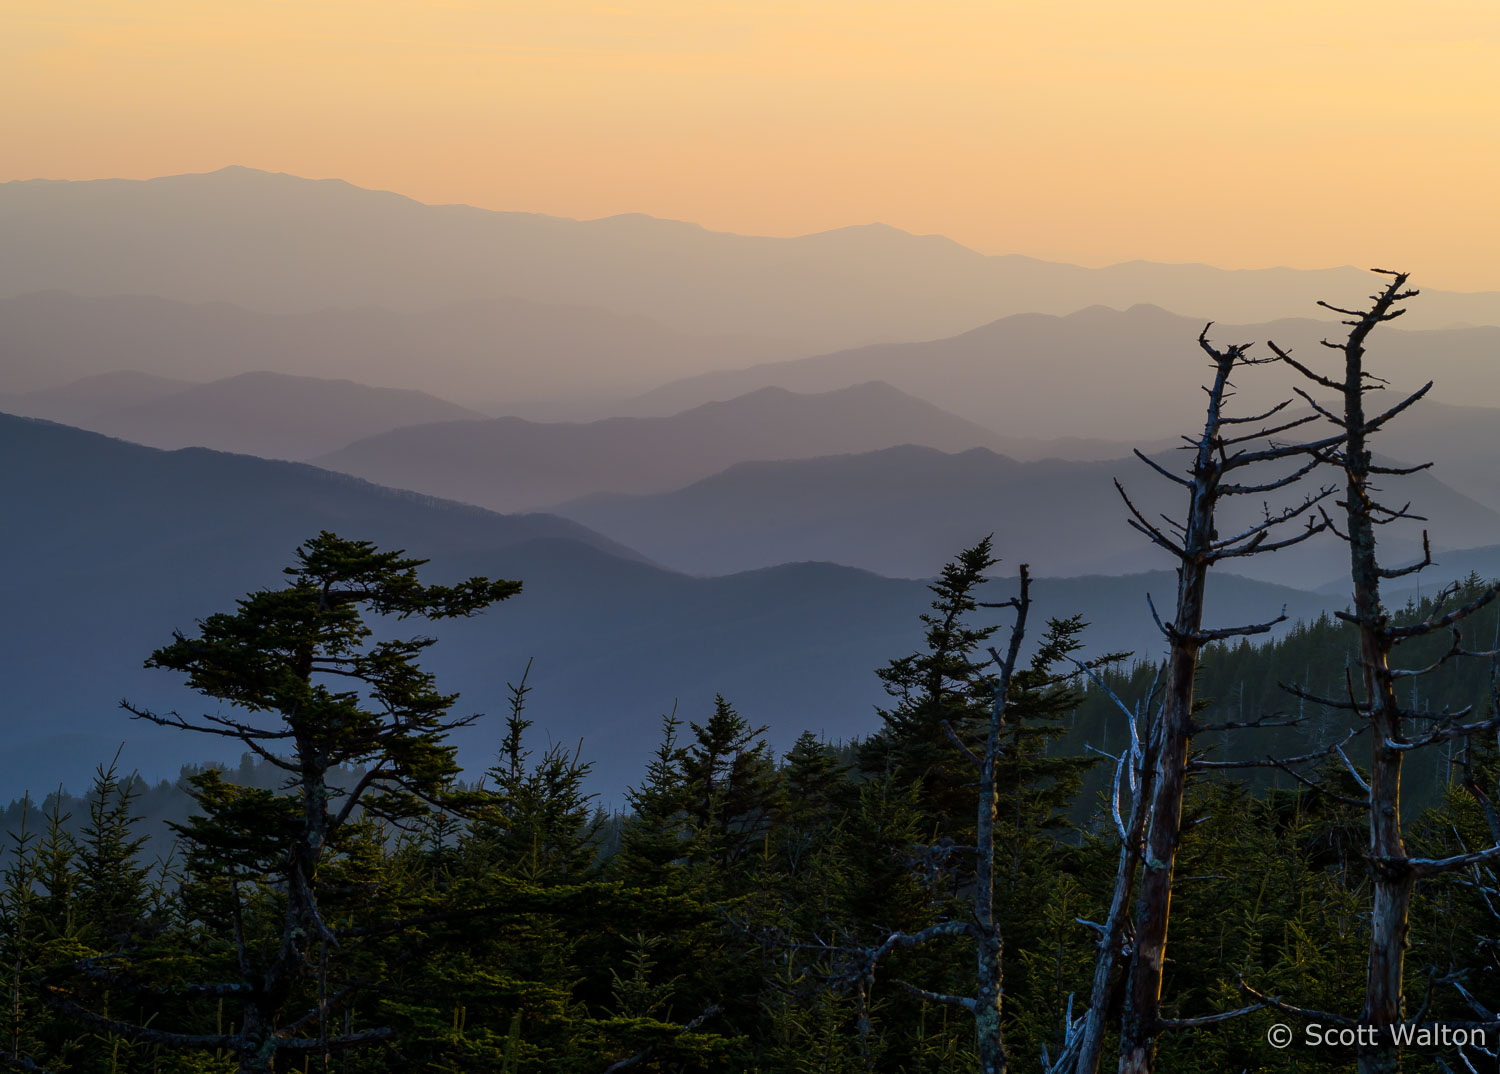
(726, 922)
(154, 807)
(1247, 679)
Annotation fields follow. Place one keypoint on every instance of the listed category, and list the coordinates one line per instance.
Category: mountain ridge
(1116, 375)
(282, 242)
(509, 463)
(893, 510)
(118, 545)
(494, 352)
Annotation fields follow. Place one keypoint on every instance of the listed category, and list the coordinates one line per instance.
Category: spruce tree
(728, 793)
(537, 821)
(310, 692)
(940, 691)
(111, 876)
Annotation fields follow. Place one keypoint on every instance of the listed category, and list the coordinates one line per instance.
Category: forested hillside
(150, 541)
(739, 915)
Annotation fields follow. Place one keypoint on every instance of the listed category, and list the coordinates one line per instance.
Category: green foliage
(343, 881)
(538, 822)
(941, 690)
(111, 878)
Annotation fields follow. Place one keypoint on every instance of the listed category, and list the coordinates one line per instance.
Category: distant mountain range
(272, 415)
(1462, 443)
(895, 511)
(507, 464)
(111, 546)
(281, 243)
(497, 354)
(728, 499)
(1099, 372)
(83, 401)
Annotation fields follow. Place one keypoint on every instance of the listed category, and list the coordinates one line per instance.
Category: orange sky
(1311, 133)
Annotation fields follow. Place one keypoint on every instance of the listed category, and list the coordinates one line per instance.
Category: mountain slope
(495, 353)
(1462, 443)
(895, 511)
(1129, 375)
(273, 415)
(112, 546)
(509, 464)
(81, 401)
(278, 242)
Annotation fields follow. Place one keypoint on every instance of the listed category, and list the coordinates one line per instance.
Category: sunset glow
(1240, 135)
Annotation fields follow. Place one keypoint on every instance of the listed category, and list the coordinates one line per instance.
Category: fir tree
(111, 876)
(312, 695)
(539, 820)
(941, 691)
(728, 790)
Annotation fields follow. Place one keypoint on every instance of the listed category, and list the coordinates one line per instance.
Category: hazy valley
(749, 452)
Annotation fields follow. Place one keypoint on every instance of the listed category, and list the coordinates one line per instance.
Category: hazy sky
(1306, 133)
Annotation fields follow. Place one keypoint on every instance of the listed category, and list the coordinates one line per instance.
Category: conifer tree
(653, 841)
(111, 874)
(21, 924)
(312, 694)
(728, 792)
(538, 820)
(947, 696)
(940, 690)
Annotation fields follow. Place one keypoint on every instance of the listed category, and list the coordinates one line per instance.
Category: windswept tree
(311, 692)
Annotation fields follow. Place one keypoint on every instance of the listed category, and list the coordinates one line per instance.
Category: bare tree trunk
(1107, 966)
(1391, 871)
(1197, 546)
(1391, 874)
(1164, 829)
(989, 1035)
(1169, 781)
(257, 1048)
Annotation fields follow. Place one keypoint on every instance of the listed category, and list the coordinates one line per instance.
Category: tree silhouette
(313, 695)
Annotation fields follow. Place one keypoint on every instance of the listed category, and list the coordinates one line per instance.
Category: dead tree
(981, 927)
(1393, 872)
(1134, 768)
(1150, 840)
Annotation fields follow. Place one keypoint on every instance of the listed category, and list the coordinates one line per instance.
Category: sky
(1311, 133)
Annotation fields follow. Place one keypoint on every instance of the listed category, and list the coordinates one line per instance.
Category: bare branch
(1168, 474)
(964, 1002)
(1286, 357)
(1424, 867)
(1281, 762)
(1210, 1019)
(1241, 631)
(962, 748)
(1141, 523)
(1309, 1013)
(1431, 624)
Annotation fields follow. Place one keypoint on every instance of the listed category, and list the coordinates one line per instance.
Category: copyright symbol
(1279, 1036)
